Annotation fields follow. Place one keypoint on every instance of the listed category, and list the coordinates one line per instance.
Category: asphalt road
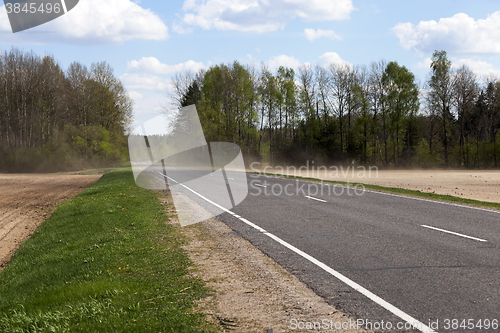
(437, 263)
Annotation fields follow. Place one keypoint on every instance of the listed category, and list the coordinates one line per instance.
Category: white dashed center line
(454, 233)
(313, 198)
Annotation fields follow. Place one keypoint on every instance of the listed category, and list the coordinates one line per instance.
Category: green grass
(105, 261)
(100, 171)
(396, 190)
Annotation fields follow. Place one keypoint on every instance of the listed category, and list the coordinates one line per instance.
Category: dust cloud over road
(483, 185)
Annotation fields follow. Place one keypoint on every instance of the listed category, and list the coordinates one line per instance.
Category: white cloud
(134, 82)
(261, 15)
(4, 20)
(135, 95)
(481, 68)
(150, 74)
(459, 33)
(154, 66)
(181, 29)
(291, 62)
(312, 34)
(93, 22)
(425, 64)
(283, 60)
(328, 58)
(149, 107)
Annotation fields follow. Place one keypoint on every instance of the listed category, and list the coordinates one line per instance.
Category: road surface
(384, 259)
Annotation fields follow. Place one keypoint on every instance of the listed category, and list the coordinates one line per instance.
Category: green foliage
(342, 114)
(226, 106)
(72, 148)
(192, 96)
(51, 120)
(426, 157)
(401, 99)
(441, 95)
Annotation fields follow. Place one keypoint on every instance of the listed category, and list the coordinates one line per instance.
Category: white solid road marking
(454, 233)
(260, 185)
(406, 317)
(435, 201)
(64, 6)
(313, 198)
(161, 173)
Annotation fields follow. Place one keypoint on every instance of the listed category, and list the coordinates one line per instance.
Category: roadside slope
(105, 261)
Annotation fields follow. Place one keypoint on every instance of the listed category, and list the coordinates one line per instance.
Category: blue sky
(147, 42)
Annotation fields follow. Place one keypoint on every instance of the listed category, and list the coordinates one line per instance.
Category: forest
(55, 120)
(373, 115)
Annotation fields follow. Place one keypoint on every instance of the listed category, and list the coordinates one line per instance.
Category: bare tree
(341, 80)
(307, 93)
(180, 84)
(323, 84)
(376, 98)
(441, 88)
(465, 92)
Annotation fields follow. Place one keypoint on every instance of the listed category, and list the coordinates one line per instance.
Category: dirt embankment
(26, 200)
(477, 185)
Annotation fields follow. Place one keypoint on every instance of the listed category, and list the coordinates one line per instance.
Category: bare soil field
(477, 185)
(26, 200)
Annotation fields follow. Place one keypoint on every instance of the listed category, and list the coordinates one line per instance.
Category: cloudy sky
(146, 41)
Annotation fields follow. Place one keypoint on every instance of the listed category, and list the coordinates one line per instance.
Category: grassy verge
(396, 190)
(105, 261)
(101, 171)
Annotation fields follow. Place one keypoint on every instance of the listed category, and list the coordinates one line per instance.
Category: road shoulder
(252, 293)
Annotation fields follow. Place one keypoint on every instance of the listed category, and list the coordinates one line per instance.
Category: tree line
(51, 119)
(371, 115)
